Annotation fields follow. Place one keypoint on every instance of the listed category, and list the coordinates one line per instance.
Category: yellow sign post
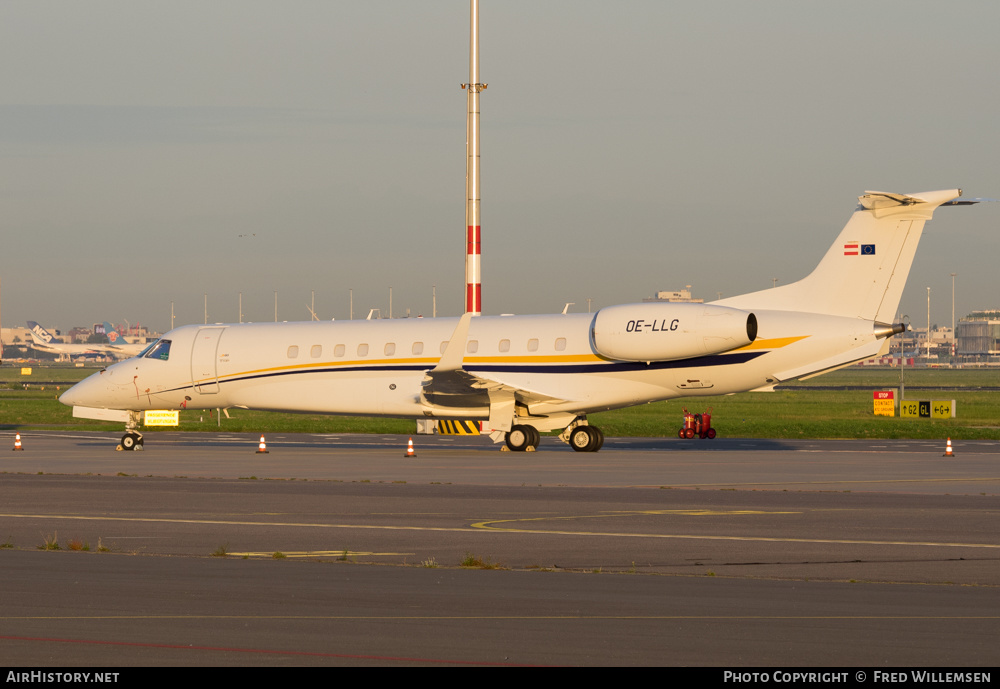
(158, 417)
(927, 409)
(885, 403)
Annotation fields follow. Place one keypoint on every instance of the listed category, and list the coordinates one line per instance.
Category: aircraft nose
(71, 398)
(84, 393)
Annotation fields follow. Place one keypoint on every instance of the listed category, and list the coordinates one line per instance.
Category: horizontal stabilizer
(883, 199)
(863, 273)
(968, 201)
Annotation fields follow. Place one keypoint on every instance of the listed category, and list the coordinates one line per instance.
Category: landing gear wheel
(536, 437)
(519, 438)
(131, 441)
(586, 439)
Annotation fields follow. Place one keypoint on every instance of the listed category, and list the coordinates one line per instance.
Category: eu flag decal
(867, 249)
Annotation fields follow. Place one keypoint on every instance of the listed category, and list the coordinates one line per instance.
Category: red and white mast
(473, 255)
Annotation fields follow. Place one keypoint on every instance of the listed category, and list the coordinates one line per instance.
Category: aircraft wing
(460, 388)
(449, 385)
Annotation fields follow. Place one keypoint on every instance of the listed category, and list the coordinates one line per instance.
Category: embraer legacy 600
(526, 374)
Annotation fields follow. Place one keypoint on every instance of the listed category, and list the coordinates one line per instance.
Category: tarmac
(337, 549)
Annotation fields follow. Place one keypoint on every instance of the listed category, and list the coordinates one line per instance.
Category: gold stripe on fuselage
(773, 343)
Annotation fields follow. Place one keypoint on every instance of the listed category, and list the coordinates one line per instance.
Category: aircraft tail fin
(114, 337)
(39, 334)
(864, 272)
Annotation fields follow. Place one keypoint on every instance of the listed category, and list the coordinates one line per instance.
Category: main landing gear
(132, 440)
(586, 439)
(580, 436)
(522, 438)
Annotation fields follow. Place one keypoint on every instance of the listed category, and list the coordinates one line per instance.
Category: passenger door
(204, 360)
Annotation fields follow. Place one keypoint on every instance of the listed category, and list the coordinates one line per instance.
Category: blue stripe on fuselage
(602, 367)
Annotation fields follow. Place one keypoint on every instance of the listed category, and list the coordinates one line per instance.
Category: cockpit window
(161, 350)
(145, 351)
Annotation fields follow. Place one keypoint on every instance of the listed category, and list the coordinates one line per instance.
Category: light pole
(928, 325)
(473, 253)
(954, 335)
(905, 320)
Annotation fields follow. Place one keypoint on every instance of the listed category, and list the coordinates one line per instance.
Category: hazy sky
(158, 151)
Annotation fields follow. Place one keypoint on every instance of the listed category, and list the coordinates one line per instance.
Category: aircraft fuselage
(378, 368)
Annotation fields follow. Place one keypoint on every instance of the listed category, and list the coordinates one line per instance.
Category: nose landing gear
(132, 440)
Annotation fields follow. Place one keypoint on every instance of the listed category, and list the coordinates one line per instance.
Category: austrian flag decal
(859, 249)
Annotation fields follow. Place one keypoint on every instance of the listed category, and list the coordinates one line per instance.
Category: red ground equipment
(697, 425)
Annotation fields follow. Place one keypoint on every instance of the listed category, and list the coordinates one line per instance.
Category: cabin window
(533, 345)
(390, 348)
(316, 352)
(472, 347)
(418, 348)
(444, 346)
(161, 351)
(560, 344)
(339, 350)
(504, 345)
(293, 352)
(362, 350)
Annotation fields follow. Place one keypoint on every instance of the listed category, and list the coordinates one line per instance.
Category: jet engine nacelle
(670, 331)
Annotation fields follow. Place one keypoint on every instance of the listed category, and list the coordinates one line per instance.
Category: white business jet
(526, 374)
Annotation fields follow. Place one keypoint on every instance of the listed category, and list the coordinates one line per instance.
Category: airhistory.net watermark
(40, 676)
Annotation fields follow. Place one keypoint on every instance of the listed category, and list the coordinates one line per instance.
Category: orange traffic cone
(17, 442)
(947, 450)
(262, 448)
(409, 449)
